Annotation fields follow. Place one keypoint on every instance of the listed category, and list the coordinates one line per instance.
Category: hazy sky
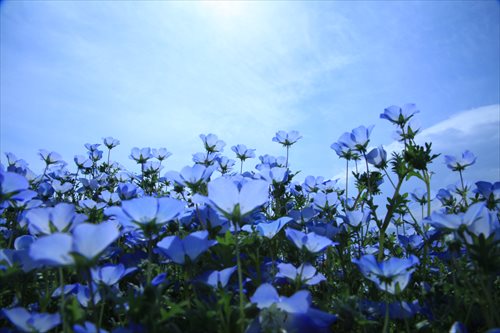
(158, 74)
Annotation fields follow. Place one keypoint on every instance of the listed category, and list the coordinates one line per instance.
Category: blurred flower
(391, 275)
(141, 155)
(459, 164)
(287, 139)
(161, 154)
(32, 321)
(312, 242)
(377, 157)
(60, 218)
(50, 157)
(212, 143)
(236, 201)
(269, 229)
(242, 152)
(110, 142)
(306, 274)
(191, 246)
(399, 115)
(217, 278)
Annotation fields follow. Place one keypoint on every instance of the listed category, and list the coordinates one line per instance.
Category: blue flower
(269, 229)
(274, 175)
(224, 164)
(92, 147)
(144, 211)
(32, 322)
(326, 201)
(212, 143)
(191, 176)
(161, 154)
(441, 220)
(287, 139)
(110, 274)
(206, 159)
(13, 187)
(242, 152)
(217, 278)
(192, 246)
(234, 201)
(358, 218)
(141, 155)
(377, 157)
(390, 275)
(60, 218)
(50, 157)
(128, 191)
(360, 136)
(300, 316)
(444, 196)
(312, 242)
(110, 142)
(305, 274)
(88, 327)
(399, 115)
(459, 164)
(88, 241)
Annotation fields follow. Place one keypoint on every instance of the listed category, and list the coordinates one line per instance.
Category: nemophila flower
(87, 241)
(110, 142)
(88, 327)
(391, 275)
(161, 154)
(325, 201)
(191, 176)
(485, 222)
(445, 196)
(212, 143)
(268, 161)
(269, 229)
(459, 164)
(141, 155)
(399, 115)
(313, 184)
(287, 138)
(13, 186)
(92, 146)
(312, 242)
(306, 274)
(95, 155)
(91, 204)
(377, 157)
(152, 167)
(159, 279)
(32, 321)
(206, 159)
(216, 279)
(144, 211)
(110, 274)
(60, 218)
(344, 146)
(413, 241)
(235, 201)
(192, 246)
(360, 136)
(128, 191)
(300, 316)
(356, 218)
(441, 220)
(242, 152)
(49, 157)
(490, 192)
(224, 164)
(109, 198)
(60, 187)
(274, 175)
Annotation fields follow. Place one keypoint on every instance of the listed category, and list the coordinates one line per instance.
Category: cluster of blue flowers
(211, 249)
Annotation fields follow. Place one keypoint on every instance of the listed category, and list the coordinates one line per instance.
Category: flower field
(92, 247)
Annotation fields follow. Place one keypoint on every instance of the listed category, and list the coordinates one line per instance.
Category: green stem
(240, 284)
(61, 304)
(386, 320)
(346, 182)
(464, 194)
(287, 148)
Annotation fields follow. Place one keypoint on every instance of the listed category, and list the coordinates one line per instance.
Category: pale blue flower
(287, 138)
(390, 275)
(192, 246)
(32, 321)
(306, 274)
(459, 164)
(312, 242)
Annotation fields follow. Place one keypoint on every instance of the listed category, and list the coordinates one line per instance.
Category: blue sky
(157, 74)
